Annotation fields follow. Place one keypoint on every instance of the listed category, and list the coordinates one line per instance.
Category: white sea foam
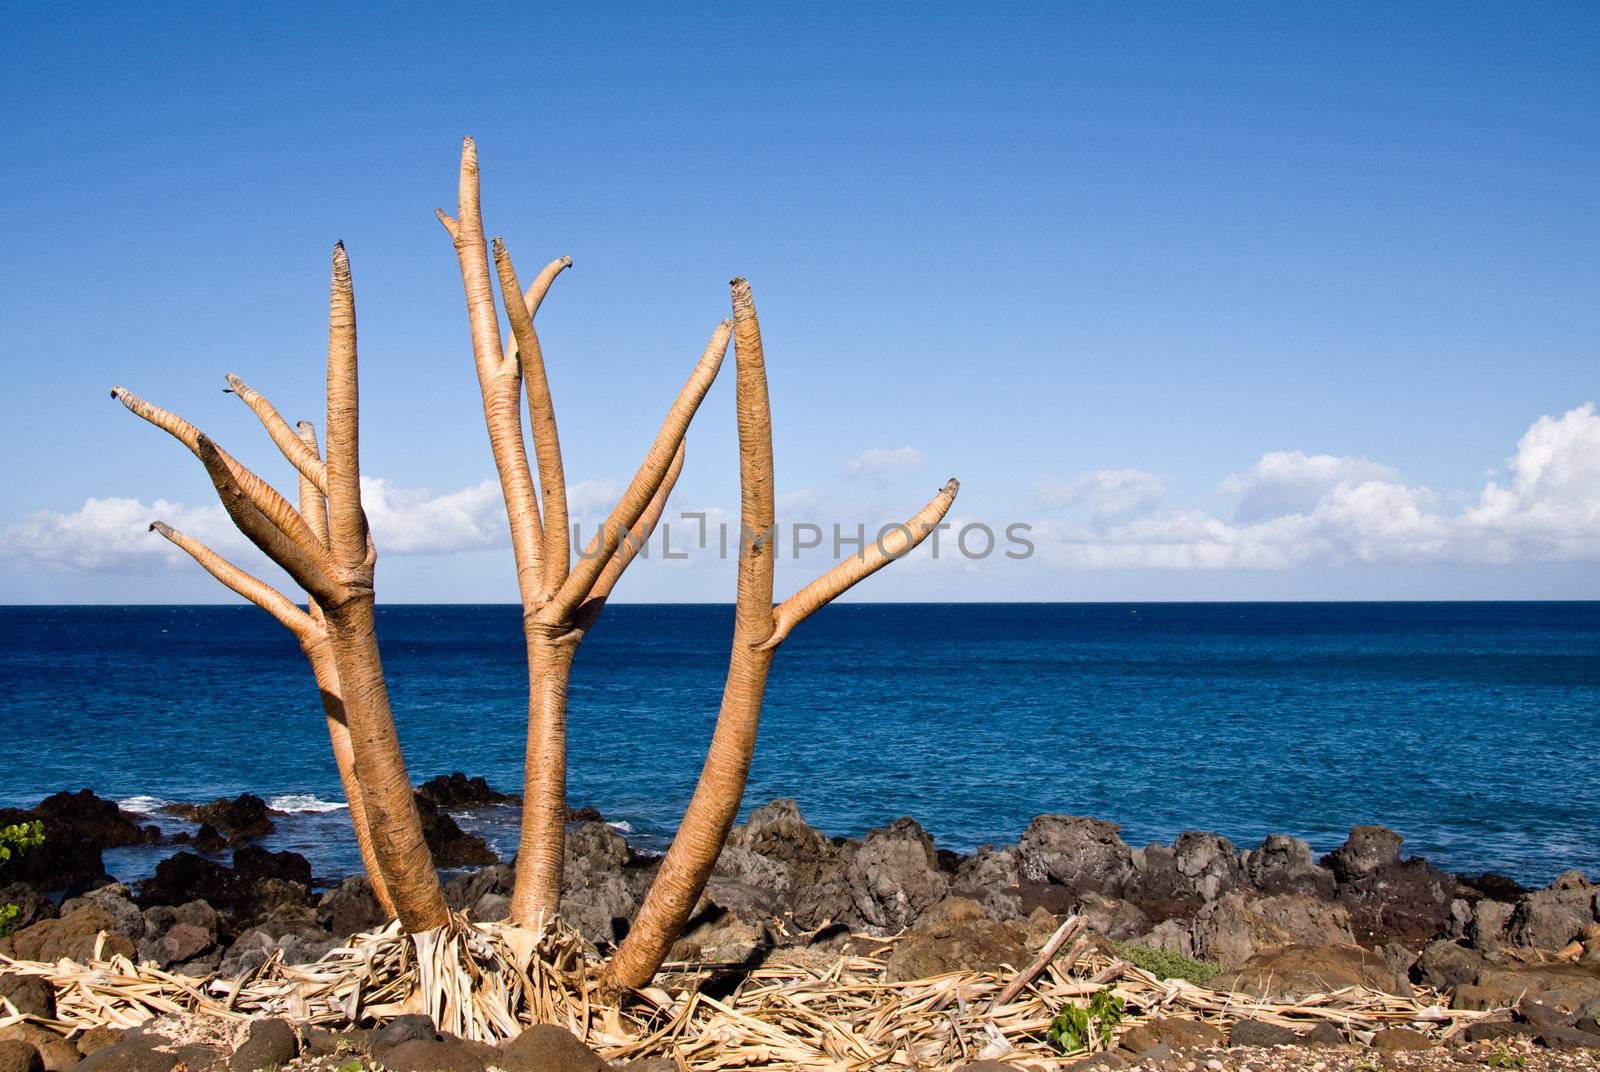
(144, 805)
(304, 802)
(621, 827)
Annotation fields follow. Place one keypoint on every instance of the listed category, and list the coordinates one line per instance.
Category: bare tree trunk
(320, 654)
(756, 635)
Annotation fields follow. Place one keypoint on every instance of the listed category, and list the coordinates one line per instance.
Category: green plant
(14, 841)
(1165, 965)
(1076, 1026)
(1504, 1058)
(351, 1066)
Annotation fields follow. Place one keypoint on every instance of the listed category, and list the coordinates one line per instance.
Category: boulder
(1260, 1033)
(1568, 987)
(1236, 927)
(1176, 1034)
(1406, 902)
(1446, 965)
(292, 932)
(428, 1055)
(895, 875)
(456, 790)
(410, 1027)
(19, 1056)
(181, 937)
(1084, 855)
(993, 878)
(1292, 972)
(596, 896)
(269, 1044)
(1209, 864)
(1490, 919)
(779, 832)
(1111, 917)
(73, 936)
(31, 995)
(549, 1048)
(466, 890)
(1365, 851)
(1400, 1040)
(351, 907)
(260, 883)
(100, 821)
(77, 826)
(1156, 886)
(1170, 935)
(32, 905)
(1284, 864)
(115, 899)
(956, 935)
(56, 1053)
(243, 819)
(1551, 918)
(450, 845)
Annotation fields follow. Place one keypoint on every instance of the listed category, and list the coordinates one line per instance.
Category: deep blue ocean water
(1471, 728)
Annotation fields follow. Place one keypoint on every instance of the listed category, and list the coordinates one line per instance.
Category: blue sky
(1261, 301)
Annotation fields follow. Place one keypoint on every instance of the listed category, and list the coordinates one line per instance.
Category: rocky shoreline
(1271, 920)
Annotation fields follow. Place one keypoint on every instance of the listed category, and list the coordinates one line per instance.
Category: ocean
(1470, 728)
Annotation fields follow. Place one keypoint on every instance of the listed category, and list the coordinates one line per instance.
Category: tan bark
(331, 556)
(560, 603)
(715, 803)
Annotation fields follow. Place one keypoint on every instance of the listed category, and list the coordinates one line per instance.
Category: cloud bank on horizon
(1290, 510)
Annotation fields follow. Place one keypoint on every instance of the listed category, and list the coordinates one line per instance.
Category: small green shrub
(14, 841)
(1504, 1058)
(1076, 1026)
(1165, 965)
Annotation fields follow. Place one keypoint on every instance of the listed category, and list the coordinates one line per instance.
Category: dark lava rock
(32, 905)
(548, 1048)
(1550, 918)
(262, 882)
(58, 1053)
(412, 1027)
(19, 1056)
(270, 1044)
(208, 839)
(1259, 1033)
(956, 935)
(1284, 864)
(243, 819)
(1367, 849)
(1493, 886)
(115, 899)
(585, 814)
(427, 1055)
(1400, 1040)
(456, 790)
(77, 826)
(351, 907)
(30, 994)
(451, 846)
(895, 876)
(1084, 855)
(1324, 1034)
(73, 936)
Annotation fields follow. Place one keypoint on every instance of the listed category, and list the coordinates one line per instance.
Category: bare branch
(557, 551)
(652, 471)
(499, 383)
(250, 587)
(628, 549)
(347, 526)
(307, 462)
(263, 496)
(899, 541)
(313, 498)
(312, 571)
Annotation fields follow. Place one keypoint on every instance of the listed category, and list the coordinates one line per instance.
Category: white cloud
(878, 464)
(1299, 510)
(114, 534)
(415, 520)
(1290, 482)
(1109, 493)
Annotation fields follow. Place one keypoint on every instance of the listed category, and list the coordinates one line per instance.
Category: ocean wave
(144, 805)
(304, 802)
(621, 827)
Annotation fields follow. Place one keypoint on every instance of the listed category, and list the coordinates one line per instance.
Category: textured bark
(325, 547)
(560, 603)
(756, 635)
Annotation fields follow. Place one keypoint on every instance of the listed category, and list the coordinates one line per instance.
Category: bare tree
(757, 631)
(560, 601)
(328, 552)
